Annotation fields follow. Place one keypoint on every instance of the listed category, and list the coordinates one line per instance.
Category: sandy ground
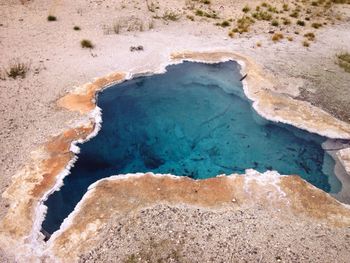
(28, 111)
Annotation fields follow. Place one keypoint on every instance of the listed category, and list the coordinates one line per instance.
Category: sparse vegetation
(246, 9)
(290, 38)
(274, 22)
(272, 9)
(231, 34)
(316, 25)
(243, 24)
(116, 28)
(344, 61)
(76, 28)
(17, 69)
(258, 44)
(225, 23)
(171, 16)
(294, 14)
(86, 44)
(277, 37)
(306, 43)
(300, 23)
(200, 12)
(51, 18)
(286, 21)
(151, 24)
(310, 36)
(262, 15)
(190, 17)
(129, 24)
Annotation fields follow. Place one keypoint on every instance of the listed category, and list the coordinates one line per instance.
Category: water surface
(193, 121)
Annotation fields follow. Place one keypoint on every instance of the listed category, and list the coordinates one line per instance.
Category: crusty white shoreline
(37, 244)
(266, 178)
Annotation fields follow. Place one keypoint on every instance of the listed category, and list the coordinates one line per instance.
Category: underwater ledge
(44, 175)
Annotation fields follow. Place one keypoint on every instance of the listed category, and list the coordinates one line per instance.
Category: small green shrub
(206, 14)
(274, 23)
(51, 18)
(272, 9)
(225, 23)
(199, 12)
(310, 36)
(300, 23)
(86, 44)
(246, 9)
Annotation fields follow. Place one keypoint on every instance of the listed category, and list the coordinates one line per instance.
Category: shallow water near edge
(193, 121)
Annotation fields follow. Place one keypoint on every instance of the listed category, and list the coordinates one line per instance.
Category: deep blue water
(194, 121)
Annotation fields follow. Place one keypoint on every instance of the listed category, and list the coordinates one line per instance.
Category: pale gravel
(181, 233)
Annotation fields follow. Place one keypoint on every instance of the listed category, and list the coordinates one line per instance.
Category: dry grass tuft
(277, 37)
(306, 44)
(171, 16)
(310, 36)
(344, 61)
(17, 69)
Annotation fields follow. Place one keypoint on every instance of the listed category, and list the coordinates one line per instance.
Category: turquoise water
(193, 121)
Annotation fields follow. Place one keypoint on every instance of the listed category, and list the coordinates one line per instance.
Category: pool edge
(26, 202)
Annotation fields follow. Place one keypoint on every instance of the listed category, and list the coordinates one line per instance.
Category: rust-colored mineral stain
(84, 102)
(313, 202)
(129, 194)
(125, 195)
(60, 155)
(53, 166)
(62, 142)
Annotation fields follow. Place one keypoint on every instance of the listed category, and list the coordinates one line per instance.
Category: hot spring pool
(193, 121)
